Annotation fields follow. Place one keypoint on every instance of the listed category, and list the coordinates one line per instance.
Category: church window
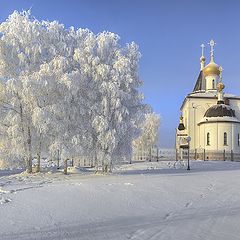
(213, 84)
(225, 139)
(208, 139)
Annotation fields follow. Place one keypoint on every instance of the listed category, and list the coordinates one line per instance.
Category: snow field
(138, 201)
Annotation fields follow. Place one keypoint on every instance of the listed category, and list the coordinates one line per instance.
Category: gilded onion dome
(211, 69)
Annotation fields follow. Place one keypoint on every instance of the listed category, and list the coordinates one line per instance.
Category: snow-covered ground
(138, 201)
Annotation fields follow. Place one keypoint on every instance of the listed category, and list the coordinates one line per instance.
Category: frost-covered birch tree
(69, 90)
(149, 132)
(115, 103)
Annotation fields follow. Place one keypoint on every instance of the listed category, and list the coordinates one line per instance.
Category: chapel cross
(220, 75)
(212, 44)
(202, 46)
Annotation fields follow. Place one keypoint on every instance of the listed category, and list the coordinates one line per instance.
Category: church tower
(209, 74)
(211, 71)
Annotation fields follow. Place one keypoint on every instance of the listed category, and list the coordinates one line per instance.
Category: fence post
(157, 154)
(195, 156)
(224, 156)
(204, 154)
(232, 155)
(176, 154)
(150, 154)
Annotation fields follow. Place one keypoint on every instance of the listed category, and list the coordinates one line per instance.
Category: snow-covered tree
(67, 90)
(149, 132)
(115, 104)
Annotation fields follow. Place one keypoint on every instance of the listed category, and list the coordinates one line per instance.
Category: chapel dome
(210, 69)
(220, 110)
(181, 127)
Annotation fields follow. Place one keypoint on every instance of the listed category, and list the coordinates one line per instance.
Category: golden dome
(210, 69)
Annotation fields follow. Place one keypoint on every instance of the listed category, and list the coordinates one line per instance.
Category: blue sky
(169, 34)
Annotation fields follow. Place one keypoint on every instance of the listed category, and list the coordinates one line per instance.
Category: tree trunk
(110, 167)
(38, 161)
(106, 162)
(65, 166)
(29, 143)
(103, 166)
(92, 162)
(25, 144)
(58, 159)
(39, 154)
(96, 163)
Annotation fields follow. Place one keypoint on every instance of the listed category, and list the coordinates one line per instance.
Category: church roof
(211, 94)
(199, 84)
(219, 120)
(208, 95)
(219, 113)
(219, 110)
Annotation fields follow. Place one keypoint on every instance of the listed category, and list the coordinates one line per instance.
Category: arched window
(238, 141)
(225, 139)
(208, 139)
(213, 84)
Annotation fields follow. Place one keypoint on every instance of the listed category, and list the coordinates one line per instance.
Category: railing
(153, 154)
(203, 154)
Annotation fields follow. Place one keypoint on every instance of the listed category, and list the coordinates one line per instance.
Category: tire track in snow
(139, 227)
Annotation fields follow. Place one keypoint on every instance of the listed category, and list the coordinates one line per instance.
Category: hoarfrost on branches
(149, 132)
(68, 91)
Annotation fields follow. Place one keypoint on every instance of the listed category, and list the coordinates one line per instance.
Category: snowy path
(139, 201)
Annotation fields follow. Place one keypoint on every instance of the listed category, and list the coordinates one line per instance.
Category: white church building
(210, 118)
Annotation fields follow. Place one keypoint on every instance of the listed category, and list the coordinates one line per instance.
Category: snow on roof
(219, 119)
(220, 110)
(210, 94)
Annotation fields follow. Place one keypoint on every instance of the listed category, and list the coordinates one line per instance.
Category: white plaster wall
(197, 108)
(209, 82)
(236, 131)
(216, 131)
(193, 112)
(235, 105)
(228, 128)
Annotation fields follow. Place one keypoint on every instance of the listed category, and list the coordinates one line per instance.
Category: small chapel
(210, 118)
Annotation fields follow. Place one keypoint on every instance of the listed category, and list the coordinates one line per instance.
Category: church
(210, 118)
